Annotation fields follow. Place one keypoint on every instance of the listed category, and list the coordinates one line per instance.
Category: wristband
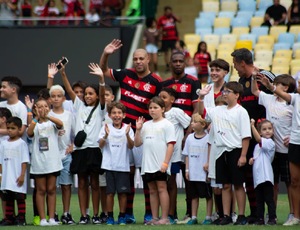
(165, 164)
(186, 170)
(34, 121)
(29, 113)
(50, 76)
(199, 99)
(102, 84)
(274, 88)
(29, 110)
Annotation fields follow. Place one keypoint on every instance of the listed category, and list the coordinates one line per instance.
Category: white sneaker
(185, 220)
(44, 222)
(292, 221)
(234, 217)
(52, 222)
(214, 216)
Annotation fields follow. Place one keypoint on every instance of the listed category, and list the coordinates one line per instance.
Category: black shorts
(157, 176)
(168, 44)
(86, 161)
(175, 167)
(117, 182)
(200, 189)
(11, 195)
(294, 153)
(281, 168)
(227, 170)
(33, 176)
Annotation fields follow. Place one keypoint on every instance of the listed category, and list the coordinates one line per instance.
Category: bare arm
(255, 133)
(137, 137)
(245, 144)
(21, 178)
(130, 142)
(254, 88)
(187, 174)
(96, 70)
(169, 153)
(67, 84)
(102, 141)
(52, 70)
(108, 50)
(59, 124)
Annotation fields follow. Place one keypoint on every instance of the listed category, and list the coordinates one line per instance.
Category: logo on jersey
(247, 84)
(183, 88)
(137, 85)
(147, 87)
(174, 87)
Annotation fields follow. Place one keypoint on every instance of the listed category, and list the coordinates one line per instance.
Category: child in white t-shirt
(116, 140)
(263, 177)
(196, 160)
(158, 138)
(14, 157)
(181, 121)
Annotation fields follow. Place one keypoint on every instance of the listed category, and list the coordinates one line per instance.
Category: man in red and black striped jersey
(138, 86)
(186, 86)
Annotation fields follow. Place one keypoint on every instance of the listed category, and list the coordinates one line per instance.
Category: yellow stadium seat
(240, 30)
(263, 46)
(284, 54)
(266, 39)
(244, 44)
(190, 38)
(295, 63)
(277, 61)
(228, 47)
(226, 56)
(256, 21)
(295, 70)
(222, 22)
(211, 48)
(276, 30)
(228, 38)
(297, 54)
(210, 6)
(262, 65)
(213, 39)
(264, 55)
(192, 48)
(229, 6)
(295, 29)
(277, 70)
(234, 75)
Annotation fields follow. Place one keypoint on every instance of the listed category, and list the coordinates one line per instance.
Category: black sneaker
(67, 219)
(225, 220)
(251, 219)
(7, 222)
(88, 218)
(103, 218)
(241, 220)
(20, 221)
(96, 220)
(83, 220)
(272, 222)
(259, 222)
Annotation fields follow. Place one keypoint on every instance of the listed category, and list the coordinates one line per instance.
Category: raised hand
(113, 46)
(139, 123)
(29, 103)
(106, 130)
(263, 79)
(128, 128)
(52, 70)
(95, 69)
(204, 91)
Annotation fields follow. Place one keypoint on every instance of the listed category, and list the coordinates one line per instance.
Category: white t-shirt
(295, 132)
(92, 129)
(197, 151)
(280, 114)
(68, 129)
(155, 137)
(68, 105)
(12, 155)
(18, 110)
(181, 121)
(115, 151)
(209, 99)
(263, 157)
(230, 127)
(45, 156)
(38, 10)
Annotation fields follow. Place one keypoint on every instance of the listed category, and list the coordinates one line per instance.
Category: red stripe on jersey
(132, 106)
(142, 86)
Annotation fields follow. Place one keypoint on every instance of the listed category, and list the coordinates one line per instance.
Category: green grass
(282, 211)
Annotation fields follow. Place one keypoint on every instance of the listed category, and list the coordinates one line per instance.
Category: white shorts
(213, 184)
(102, 180)
(151, 48)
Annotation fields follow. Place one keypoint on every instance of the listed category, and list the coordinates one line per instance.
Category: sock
(21, 207)
(147, 199)
(194, 217)
(130, 196)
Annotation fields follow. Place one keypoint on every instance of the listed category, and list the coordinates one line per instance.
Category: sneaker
(44, 222)
(272, 222)
(130, 219)
(88, 218)
(192, 221)
(56, 218)
(185, 220)
(122, 220)
(152, 221)
(267, 218)
(171, 220)
(164, 221)
(259, 222)
(291, 222)
(207, 222)
(147, 218)
(20, 220)
(110, 221)
(225, 220)
(251, 219)
(217, 221)
(234, 217)
(96, 220)
(241, 220)
(214, 216)
(103, 218)
(36, 220)
(67, 219)
(7, 222)
(290, 216)
(83, 220)
(53, 222)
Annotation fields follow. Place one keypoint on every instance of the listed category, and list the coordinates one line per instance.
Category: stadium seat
(276, 30)
(226, 56)
(296, 46)
(266, 39)
(249, 5)
(294, 70)
(244, 44)
(297, 54)
(278, 70)
(210, 6)
(281, 46)
(251, 37)
(212, 50)
(208, 15)
(192, 48)
(234, 75)
(213, 39)
(222, 22)
(264, 4)
(240, 30)
(286, 3)
(287, 38)
(256, 21)
(262, 65)
(240, 22)
(277, 61)
(295, 63)
(226, 47)
(222, 30)
(283, 54)
(226, 14)
(229, 6)
(295, 29)
(259, 13)
(191, 38)
(245, 13)
(264, 55)
(203, 31)
(263, 46)
(261, 30)
(229, 38)
(203, 23)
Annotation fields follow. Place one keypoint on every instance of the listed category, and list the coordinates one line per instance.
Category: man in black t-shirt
(275, 15)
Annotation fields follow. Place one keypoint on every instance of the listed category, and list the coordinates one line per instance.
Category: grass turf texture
(282, 212)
